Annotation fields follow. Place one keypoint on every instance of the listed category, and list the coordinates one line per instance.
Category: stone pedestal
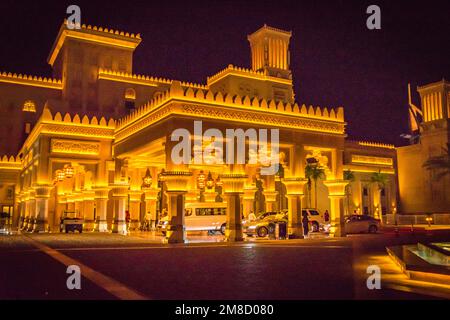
(336, 194)
(233, 187)
(41, 220)
(294, 191)
(176, 183)
(101, 202)
(120, 198)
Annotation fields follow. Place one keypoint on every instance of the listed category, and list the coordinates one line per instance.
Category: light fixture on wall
(201, 180)
(68, 171)
(60, 175)
(147, 179)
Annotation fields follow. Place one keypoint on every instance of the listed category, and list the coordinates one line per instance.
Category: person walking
(326, 216)
(305, 222)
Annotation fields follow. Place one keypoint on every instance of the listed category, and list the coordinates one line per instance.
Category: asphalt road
(123, 267)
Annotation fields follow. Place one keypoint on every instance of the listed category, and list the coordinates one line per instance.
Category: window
(27, 128)
(29, 106)
(366, 210)
(383, 192)
(130, 94)
(210, 211)
(365, 191)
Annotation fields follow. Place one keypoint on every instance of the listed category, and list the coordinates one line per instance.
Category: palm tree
(440, 163)
(313, 172)
(350, 177)
(380, 180)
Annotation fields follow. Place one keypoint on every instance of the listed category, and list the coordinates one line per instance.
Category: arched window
(130, 94)
(130, 97)
(29, 106)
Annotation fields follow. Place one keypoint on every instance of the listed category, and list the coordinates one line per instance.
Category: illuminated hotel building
(95, 140)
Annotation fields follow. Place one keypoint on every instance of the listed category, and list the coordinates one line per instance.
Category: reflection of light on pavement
(392, 277)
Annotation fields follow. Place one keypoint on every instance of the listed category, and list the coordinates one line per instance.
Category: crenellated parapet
(68, 125)
(246, 73)
(234, 101)
(10, 163)
(376, 145)
(142, 79)
(110, 31)
(205, 103)
(29, 80)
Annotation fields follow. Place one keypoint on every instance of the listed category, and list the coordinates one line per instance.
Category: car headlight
(165, 222)
(252, 227)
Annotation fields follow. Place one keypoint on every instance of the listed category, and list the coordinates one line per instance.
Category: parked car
(205, 216)
(361, 224)
(316, 220)
(265, 226)
(70, 222)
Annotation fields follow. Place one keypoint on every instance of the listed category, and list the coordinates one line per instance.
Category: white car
(316, 220)
(361, 224)
(202, 217)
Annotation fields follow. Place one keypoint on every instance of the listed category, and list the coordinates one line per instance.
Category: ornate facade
(96, 140)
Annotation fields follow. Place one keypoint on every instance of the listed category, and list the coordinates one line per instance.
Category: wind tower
(270, 51)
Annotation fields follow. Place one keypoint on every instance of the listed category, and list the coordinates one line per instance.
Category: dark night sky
(335, 59)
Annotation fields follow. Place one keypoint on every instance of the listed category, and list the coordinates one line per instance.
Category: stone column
(31, 212)
(41, 221)
(151, 196)
(120, 197)
(248, 200)
(336, 194)
(101, 202)
(233, 186)
(176, 183)
(294, 193)
(135, 209)
(88, 211)
(23, 209)
(60, 207)
(271, 200)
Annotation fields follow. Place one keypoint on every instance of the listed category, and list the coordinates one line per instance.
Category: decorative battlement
(72, 126)
(266, 27)
(141, 79)
(243, 72)
(376, 145)
(47, 117)
(253, 104)
(94, 34)
(10, 163)
(110, 31)
(29, 80)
